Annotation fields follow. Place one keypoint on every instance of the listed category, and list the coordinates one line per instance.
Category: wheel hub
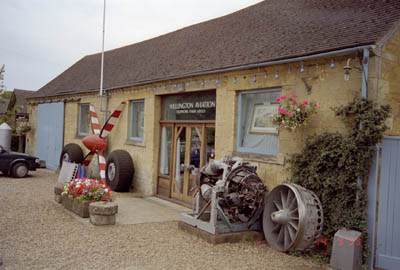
(111, 171)
(65, 157)
(21, 170)
(281, 217)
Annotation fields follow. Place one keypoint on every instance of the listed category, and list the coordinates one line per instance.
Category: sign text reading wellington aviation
(192, 107)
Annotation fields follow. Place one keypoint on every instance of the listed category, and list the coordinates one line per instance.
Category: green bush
(331, 164)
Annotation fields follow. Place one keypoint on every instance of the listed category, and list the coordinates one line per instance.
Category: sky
(39, 39)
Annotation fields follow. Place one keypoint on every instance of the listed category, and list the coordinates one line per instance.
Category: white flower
(106, 190)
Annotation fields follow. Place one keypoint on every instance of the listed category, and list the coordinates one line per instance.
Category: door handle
(187, 167)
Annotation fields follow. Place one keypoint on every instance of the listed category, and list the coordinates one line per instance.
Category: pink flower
(293, 93)
(305, 103)
(283, 111)
(289, 113)
(283, 97)
(315, 105)
(277, 99)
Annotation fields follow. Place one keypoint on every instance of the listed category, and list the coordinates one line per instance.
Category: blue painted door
(50, 131)
(388, 231)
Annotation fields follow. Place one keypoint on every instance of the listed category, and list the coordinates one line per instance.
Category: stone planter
(103, 213)
(81, 208)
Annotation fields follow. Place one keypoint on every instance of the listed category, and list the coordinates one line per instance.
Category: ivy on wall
(331, 164)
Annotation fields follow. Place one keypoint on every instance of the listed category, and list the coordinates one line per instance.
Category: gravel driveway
(36, 233)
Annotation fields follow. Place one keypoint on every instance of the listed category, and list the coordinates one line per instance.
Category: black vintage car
(17, 164)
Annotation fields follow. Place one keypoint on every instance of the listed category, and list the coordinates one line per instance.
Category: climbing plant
(331, 164)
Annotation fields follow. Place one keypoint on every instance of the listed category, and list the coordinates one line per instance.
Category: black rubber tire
(74, 152)
(124, 171)
(16, 167)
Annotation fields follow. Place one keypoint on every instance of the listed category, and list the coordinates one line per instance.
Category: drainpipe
(365, 73)
(106, 106)
(364, 88)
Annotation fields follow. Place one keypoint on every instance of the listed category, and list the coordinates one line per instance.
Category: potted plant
(80, 192)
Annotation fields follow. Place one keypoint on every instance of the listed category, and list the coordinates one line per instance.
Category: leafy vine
(331, 164)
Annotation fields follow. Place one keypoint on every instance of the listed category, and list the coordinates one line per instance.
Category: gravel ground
(36, 233)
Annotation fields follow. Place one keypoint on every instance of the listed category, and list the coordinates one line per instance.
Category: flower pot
(81, 208)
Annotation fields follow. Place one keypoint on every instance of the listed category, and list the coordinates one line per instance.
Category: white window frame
(133, 121)
(239, 137)
(80, 132)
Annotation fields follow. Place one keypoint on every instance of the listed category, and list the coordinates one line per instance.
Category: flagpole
(102, 62)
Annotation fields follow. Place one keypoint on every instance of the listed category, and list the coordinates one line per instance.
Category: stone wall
(328, 89)
(384, 79)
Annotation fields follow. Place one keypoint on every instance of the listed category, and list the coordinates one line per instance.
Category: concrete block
(103, 213)
(346, 250)
(81, 208)
(103, 208)
(100, 220)
(222, 238)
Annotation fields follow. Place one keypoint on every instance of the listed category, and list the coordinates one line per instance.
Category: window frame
(239, 128)
(80, 133)
(133, 121)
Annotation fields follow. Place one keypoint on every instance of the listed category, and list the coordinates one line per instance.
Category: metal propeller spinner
(97, 142)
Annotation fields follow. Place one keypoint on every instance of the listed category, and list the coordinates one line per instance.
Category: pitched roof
(19, 97)
(270, 30)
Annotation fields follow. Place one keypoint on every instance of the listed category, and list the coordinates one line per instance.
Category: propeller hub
(280, 216)
(94, 142)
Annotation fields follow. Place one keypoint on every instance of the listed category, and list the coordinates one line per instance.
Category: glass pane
(84, 119)
(193, 106)
(165, 151)
(195, 151)
(138, 119)
(210, 140)
(195, 148)
(257, 142)
(180, 160)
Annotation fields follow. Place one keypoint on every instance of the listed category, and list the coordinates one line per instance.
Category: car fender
(18, 161)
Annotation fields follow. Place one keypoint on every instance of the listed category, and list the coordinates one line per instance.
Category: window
(255, 132)
(137, 120)
(84, 120)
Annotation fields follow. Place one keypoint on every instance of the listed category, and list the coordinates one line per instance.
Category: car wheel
(71, 152)
(119, 171)
(20, 170)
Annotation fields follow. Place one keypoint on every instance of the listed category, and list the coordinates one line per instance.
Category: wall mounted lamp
(347, 69)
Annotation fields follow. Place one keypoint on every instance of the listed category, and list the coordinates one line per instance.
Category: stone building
(192, 94)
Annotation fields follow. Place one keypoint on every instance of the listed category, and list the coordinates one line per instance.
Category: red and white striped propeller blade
(112, 121)
(88, 159)
(102, 165)
(94, 120)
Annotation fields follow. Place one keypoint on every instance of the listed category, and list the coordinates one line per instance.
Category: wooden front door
(190, 147)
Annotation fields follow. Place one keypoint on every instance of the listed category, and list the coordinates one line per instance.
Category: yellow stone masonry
(328, 89)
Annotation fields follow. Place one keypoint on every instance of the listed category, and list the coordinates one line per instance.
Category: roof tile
(270, 30)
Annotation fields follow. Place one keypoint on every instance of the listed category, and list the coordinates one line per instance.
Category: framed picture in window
(262, 119)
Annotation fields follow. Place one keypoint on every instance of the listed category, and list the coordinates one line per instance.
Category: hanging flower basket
(292, 114)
